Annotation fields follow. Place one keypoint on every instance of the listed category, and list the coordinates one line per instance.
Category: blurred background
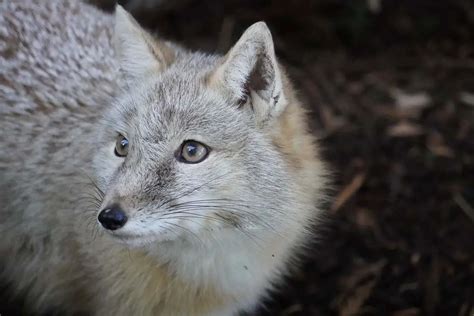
(390, 88)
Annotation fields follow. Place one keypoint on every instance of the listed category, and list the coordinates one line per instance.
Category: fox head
(203, 147)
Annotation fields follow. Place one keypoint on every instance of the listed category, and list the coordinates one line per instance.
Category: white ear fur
(250, 69)
(138, 53)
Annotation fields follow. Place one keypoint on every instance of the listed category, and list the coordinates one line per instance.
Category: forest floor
(391, 95)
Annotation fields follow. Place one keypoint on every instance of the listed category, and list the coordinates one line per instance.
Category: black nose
(112, 218)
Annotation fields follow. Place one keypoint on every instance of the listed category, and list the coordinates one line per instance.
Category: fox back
(140, 178)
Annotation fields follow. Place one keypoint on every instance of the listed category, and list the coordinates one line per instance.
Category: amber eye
(193, 152)
(121, 146)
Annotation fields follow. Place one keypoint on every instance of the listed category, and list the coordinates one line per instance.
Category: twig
(348, 192)
(464, 205)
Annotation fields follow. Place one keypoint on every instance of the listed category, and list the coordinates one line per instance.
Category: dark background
(390, 87)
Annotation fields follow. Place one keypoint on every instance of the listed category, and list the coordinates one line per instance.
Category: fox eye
(192, 151)
(121, 146)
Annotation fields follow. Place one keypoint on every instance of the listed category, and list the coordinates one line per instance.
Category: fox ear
(250, 73)
(138, 52)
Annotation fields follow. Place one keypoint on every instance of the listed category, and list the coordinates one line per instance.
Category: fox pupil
(124, 143)
(192, 149)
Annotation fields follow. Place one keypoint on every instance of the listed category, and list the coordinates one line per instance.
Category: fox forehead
(175, 105)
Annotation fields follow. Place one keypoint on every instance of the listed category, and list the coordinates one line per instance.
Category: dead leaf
(375, 6)
(467, 98)
(405, 129)
(359, 286)
(293, 309)
(331, 121)
(354, 303)
(435, 143)
(410, 105)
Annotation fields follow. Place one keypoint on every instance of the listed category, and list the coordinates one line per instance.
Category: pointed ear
(250, 73)
(138, 52)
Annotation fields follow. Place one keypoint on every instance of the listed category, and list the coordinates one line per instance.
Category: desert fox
(138, 178)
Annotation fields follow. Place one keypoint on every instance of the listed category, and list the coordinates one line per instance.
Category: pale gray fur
(63, 101)
(57, 73)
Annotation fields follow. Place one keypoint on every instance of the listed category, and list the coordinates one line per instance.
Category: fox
(141, 178)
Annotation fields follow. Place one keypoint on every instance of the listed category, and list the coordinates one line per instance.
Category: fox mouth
(132, 240)
(135, 240)
(125, 235)
(127, 238)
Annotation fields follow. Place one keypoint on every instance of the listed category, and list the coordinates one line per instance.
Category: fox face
(189, 148)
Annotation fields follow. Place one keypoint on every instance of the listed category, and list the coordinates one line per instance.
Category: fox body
(98, 115)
